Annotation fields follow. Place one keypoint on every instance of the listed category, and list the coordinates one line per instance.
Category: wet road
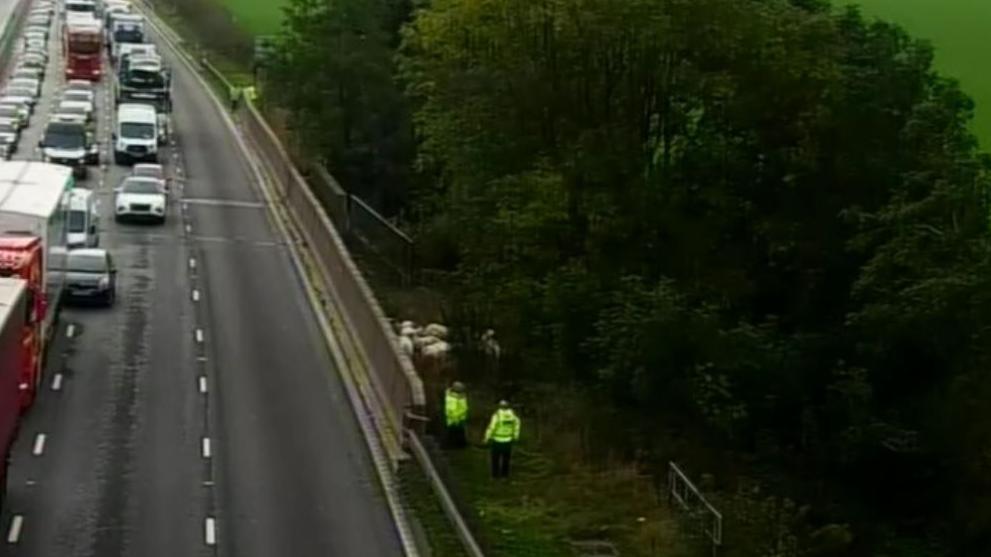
(201, 414)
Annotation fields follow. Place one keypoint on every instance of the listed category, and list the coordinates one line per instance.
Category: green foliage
(258, 18)
(334, 72)
(761, 214)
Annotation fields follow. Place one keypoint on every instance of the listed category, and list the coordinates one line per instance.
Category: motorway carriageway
(201, 415)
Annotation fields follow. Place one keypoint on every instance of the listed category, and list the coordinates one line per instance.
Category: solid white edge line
(57, 382)
(16, 523)
(39, 445)
(203, 385)
(210, 531)
(207, 450)
(199, 335)
(402, 525)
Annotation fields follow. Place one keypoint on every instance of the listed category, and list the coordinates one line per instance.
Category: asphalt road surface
(201, 415)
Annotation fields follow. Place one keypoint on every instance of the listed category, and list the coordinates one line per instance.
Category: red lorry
(82, 45)
(14, 315)
(33, 245)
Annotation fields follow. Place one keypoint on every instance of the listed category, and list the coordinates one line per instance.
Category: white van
(136, 135)
(84, 218)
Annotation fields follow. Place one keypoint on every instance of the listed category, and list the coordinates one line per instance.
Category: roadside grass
(258, 17)
(958, 31)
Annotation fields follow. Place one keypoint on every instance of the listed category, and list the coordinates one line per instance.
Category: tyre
(110, 298)
(118, 158)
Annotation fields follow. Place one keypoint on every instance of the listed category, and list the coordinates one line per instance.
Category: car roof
(135, 111)
(148, 165)
(88, 252)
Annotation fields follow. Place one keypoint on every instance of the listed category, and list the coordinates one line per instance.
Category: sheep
(490, 345)
(423, 341)
(406, 345)
(436, 330)
(436, 350)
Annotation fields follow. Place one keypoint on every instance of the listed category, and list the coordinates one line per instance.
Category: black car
(70, 144)
(90, 275)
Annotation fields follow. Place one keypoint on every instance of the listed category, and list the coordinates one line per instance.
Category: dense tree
(335, 73)
(761, 212)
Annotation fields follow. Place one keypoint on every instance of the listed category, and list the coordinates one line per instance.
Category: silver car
(90, 274)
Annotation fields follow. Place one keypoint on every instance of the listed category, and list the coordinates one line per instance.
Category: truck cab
(80, 7)
(82, 50)
(125, 28)
(21, 258)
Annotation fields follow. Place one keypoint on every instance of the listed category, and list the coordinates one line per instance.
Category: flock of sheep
(431, 342)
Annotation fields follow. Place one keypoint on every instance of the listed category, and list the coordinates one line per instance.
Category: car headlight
(121, 208)
(159, 209)
(104, 282)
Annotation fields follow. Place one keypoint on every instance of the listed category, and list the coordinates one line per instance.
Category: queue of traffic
(49, 216)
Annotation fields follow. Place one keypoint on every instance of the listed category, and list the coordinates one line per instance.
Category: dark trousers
(501, 453)
(456, 438)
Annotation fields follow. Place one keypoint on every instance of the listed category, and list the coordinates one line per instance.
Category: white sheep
(406, 345)
(490, 345)
(437, 350)
(435, 330)
(423, 341)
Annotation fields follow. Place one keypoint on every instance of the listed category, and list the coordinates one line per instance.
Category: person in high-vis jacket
(456, 415)
(503, 432)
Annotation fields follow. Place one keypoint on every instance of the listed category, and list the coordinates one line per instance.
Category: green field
(260, 17)
(959, 29)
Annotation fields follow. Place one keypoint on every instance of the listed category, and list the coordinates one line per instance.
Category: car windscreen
(9, 111)
(130, 34)
(76, 96)
(84, 44)
(140, 186)
(63, 137)
(8, 127)
(82, 8)
(71, 109)
(19, 92)
(137, 131)
(77, 221)
(86, 262)
(139, 77)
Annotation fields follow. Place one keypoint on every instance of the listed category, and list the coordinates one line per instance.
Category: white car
(67, 106)
(35, 34)
(80, 85)
(78, 95)
(153, 171)
(138, 197)
(39, 29)
(10, 132)
(27, 83)
(34, 43)
(22, 109)
(22, 95)
(71, 117)
(14, 112)
(28, 73)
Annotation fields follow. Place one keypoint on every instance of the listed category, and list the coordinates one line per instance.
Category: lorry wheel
(118, 159)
